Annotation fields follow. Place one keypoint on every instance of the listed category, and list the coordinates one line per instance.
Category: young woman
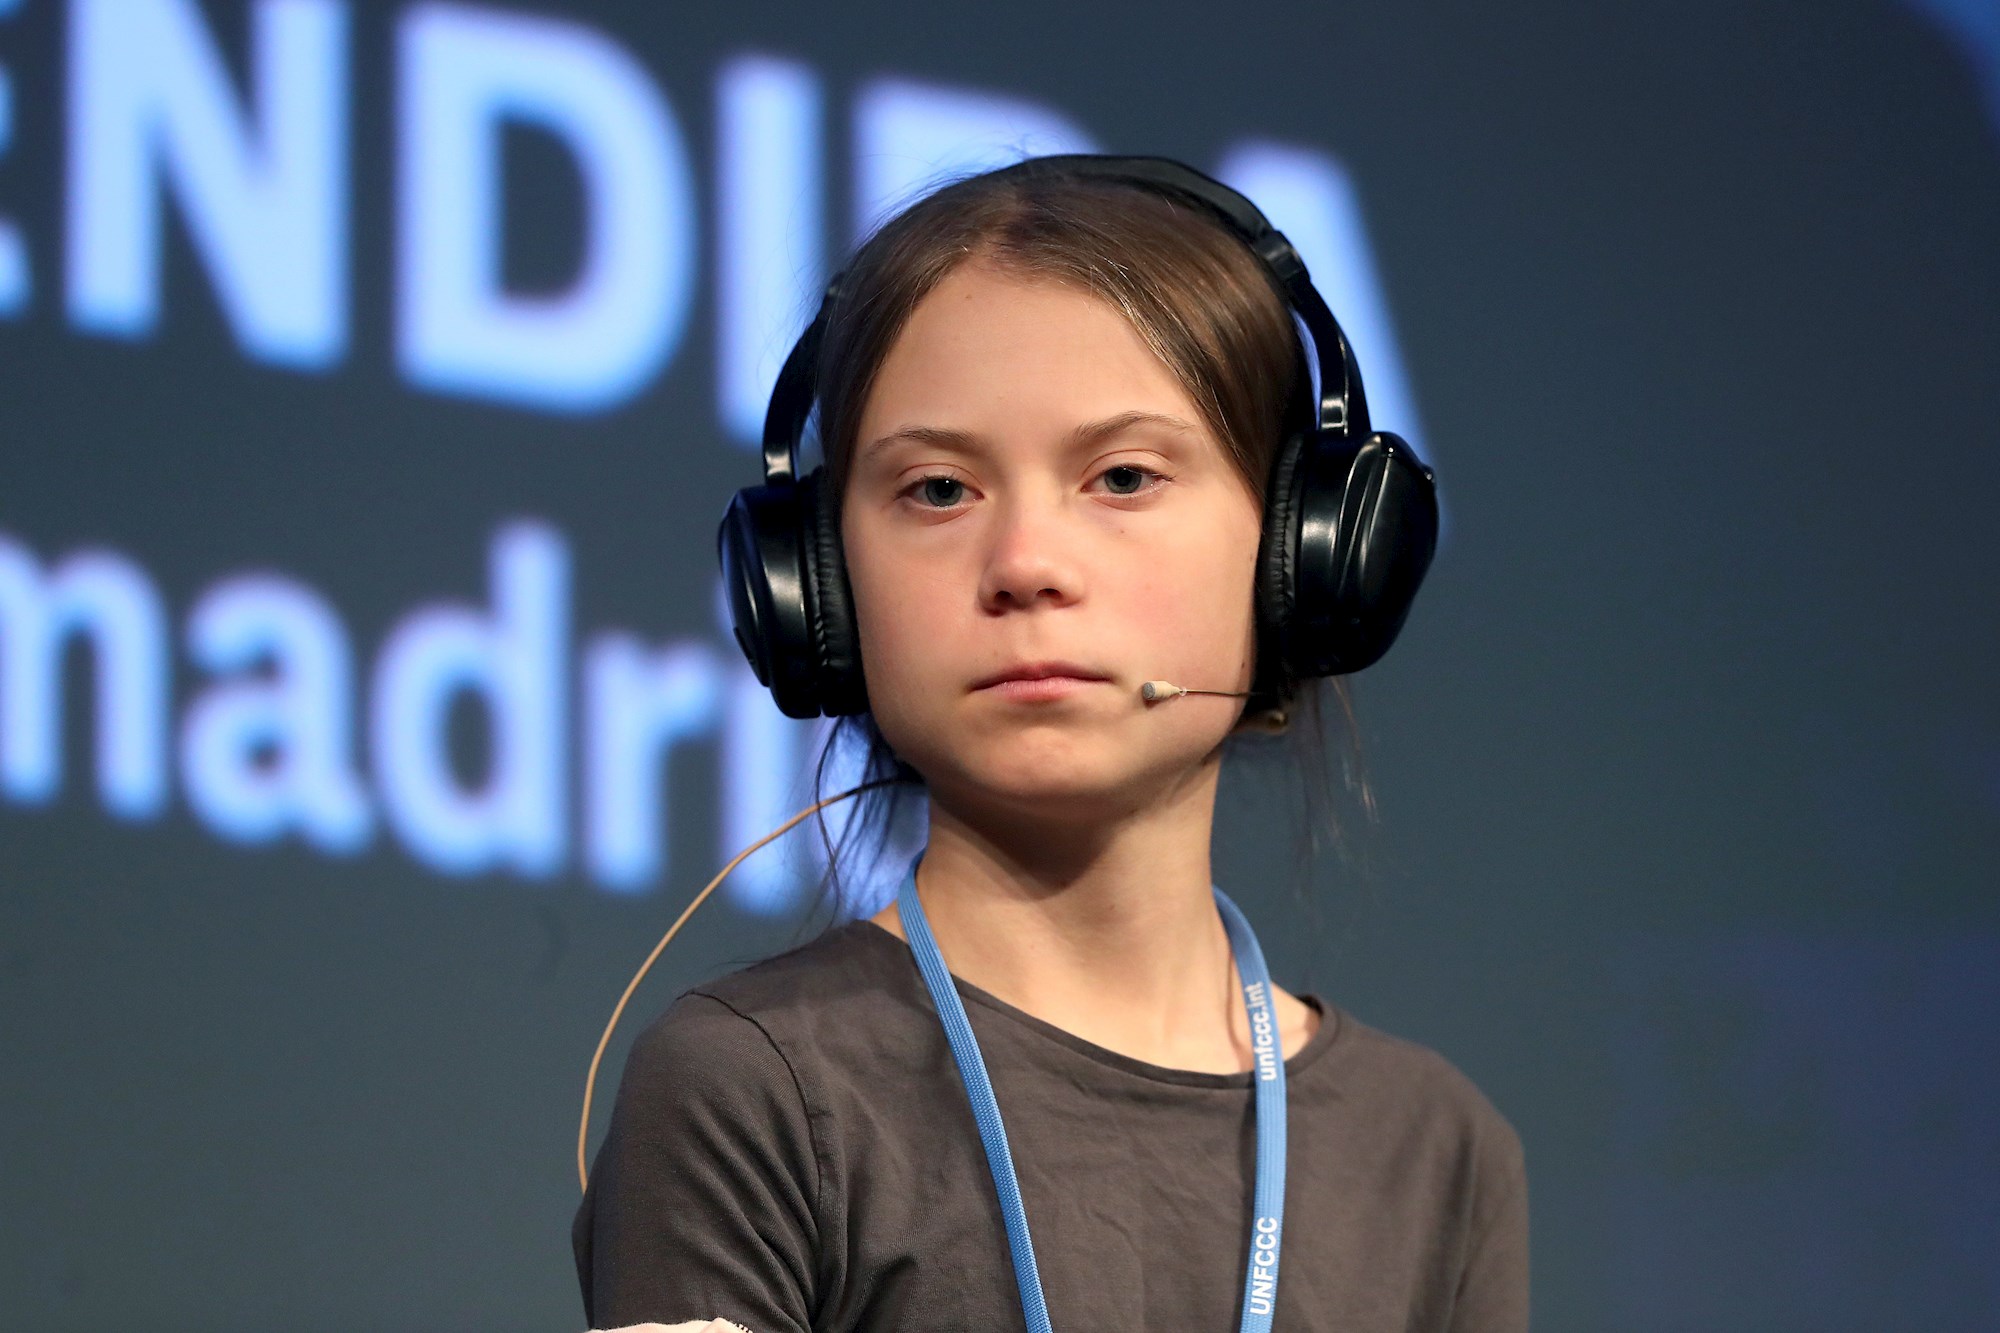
(1052, 402)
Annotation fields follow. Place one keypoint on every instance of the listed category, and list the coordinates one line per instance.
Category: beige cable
(590, 1080)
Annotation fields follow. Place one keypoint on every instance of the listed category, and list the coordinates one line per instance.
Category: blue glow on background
(771, 229)
(1975, 26)
(910, 138)
(16, 279)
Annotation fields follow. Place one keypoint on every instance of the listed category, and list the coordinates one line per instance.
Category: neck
(1108, 931)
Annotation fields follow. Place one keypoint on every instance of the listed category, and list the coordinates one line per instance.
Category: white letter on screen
(513, 659)
(150, 108)
(263, 753)
(16, 280)
(770, 243)
(910, 138)
(104, 596)
(640, 703)
(463, 72)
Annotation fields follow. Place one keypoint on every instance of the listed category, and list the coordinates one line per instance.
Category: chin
(1058, 781)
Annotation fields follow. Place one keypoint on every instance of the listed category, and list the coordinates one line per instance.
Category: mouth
(1029, 677)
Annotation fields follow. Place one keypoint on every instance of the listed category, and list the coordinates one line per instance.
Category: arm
(703, 1199)
(1493, 1286)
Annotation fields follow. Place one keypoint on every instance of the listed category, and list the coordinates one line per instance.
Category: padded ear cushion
(1277, 565)
(835, 639)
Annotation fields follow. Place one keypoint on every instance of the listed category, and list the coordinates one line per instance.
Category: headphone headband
(1343, 410)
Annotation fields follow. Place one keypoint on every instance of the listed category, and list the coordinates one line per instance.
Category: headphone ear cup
(842, 688)
(764, 577)
(1277, 565)
(1367, 523)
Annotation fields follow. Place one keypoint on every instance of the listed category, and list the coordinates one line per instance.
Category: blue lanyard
(1260, 1280)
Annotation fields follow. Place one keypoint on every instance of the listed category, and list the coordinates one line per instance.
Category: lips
(1042, 671)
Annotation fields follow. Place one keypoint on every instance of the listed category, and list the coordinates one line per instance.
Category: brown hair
(1205, 305)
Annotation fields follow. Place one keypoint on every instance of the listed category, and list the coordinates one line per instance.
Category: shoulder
(770, 1025)
(702, 1073)
(848, 963)
(739, 1065)
(740, 1012)
(1428, 1098)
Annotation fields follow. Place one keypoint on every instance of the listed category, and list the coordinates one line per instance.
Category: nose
(1031, 557)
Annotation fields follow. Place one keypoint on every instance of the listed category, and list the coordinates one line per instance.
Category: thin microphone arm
(1274, 721)
(1154, 690)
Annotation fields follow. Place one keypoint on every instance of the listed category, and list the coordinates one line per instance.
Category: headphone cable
(590, 1079)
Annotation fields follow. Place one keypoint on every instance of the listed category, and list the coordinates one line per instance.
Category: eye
(1135, 473)
(939, 491)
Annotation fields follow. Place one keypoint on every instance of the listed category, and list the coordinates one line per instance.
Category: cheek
(907, 655)
(893, 612)
(1199, 601)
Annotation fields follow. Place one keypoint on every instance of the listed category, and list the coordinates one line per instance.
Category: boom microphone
(1272, 722)
(1154, 690)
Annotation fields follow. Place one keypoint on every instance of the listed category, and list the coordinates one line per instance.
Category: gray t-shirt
(791, 1148)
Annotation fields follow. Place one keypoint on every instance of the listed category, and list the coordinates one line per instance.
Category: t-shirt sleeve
(703, 1198)
(1493, 1287)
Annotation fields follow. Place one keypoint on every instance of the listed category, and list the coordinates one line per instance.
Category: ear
(1267, 721)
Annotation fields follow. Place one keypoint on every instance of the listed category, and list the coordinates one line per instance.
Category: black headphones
(1350, 516)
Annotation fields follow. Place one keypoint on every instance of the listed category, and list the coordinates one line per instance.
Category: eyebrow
(1090, 432)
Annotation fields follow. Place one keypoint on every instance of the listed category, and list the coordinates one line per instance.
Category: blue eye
(1125, 479)
(1154, 481)
(926, 484)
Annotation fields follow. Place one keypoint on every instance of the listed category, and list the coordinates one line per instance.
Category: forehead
(1033, 349)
